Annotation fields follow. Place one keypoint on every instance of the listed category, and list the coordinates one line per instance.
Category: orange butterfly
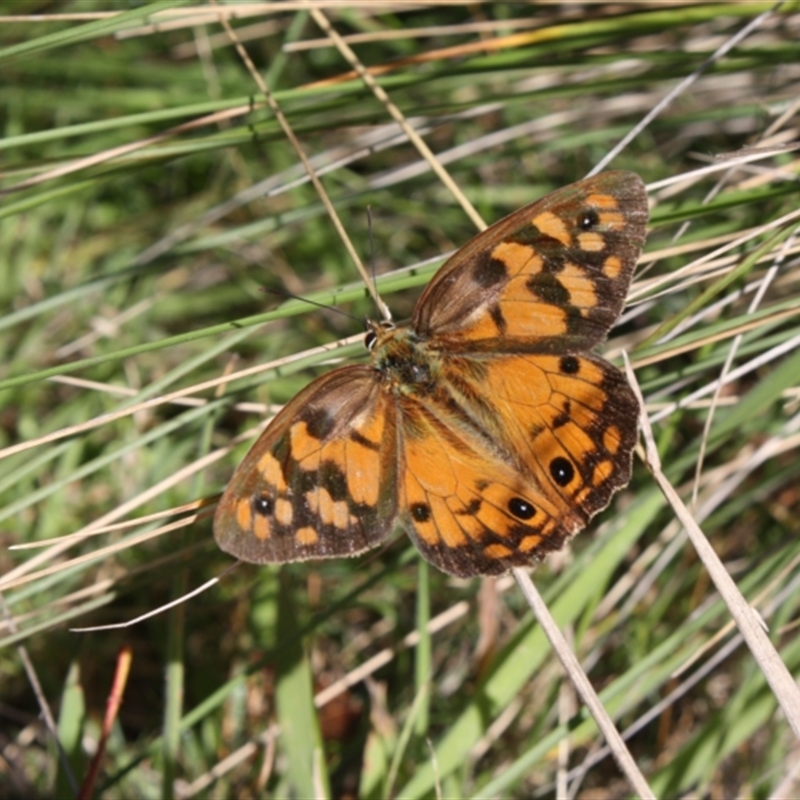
(488, 430)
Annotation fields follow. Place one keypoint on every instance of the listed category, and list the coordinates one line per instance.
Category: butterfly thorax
(403, 359)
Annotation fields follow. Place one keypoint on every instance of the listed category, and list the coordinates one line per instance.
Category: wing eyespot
(263, 505)
(569, 365)
(521, 508)
(421, 512)
(562, 471)
(588, 219)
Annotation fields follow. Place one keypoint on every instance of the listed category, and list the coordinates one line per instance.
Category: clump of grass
(150, 197)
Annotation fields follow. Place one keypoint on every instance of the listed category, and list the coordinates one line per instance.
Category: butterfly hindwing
(550, 277)
(517, 457)
(465, 507)
(321, 480)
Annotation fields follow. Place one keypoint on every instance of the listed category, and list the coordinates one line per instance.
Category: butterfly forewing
(321, 480)
(551, 277)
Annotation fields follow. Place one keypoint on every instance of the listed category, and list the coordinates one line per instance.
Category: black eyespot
(421, 512)
(569, 365)
(521, 509)
(263, 505)
(370, 337)
(562, 471)
(588, 219)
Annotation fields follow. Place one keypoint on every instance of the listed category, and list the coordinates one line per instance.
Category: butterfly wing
(519, 456)
(551, 277)
(321, 481)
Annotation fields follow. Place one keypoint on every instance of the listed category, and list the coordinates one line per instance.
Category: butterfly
(487, 429)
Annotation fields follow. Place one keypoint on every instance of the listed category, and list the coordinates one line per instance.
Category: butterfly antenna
(383, 309)
(284, 295)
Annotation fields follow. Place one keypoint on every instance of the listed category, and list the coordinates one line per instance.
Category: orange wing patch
(554, 227)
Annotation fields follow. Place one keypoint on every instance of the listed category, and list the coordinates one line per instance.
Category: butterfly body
(487, 429)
